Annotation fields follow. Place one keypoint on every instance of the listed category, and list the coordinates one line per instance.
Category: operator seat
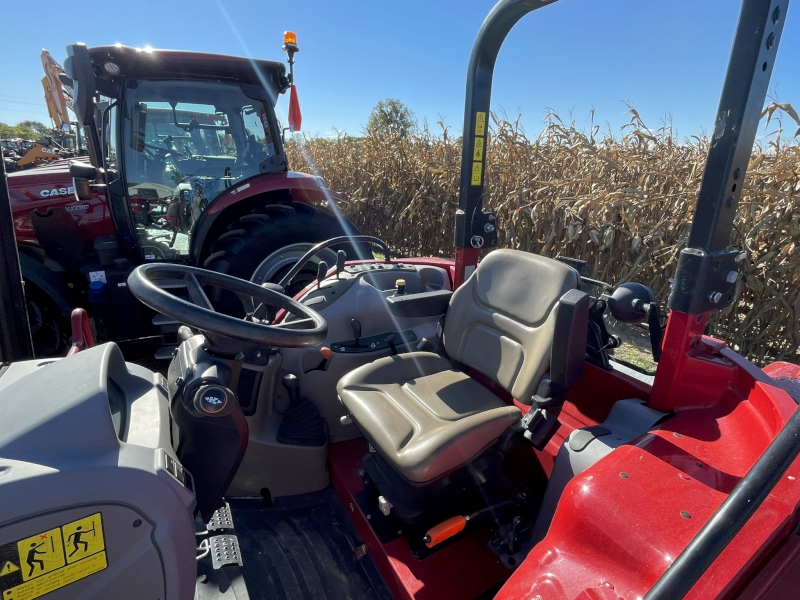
(521, 321)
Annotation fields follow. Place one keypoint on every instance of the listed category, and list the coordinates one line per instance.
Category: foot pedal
(221, 520)
(224, 550)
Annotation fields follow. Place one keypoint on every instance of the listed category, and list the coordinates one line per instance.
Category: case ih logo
(65, 191)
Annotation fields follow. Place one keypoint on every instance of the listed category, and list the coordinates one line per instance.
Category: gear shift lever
(322, 271)
(356, 325)
(292, 386)
(341, 257)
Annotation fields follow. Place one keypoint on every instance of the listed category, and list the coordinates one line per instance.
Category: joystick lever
(356, 325)
(322, 271)
(292, 385)
(341, 258)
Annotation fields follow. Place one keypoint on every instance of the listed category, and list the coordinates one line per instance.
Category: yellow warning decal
(477, 153)
(39, 564)
(476, 173)
(480, 123)
(57, 579)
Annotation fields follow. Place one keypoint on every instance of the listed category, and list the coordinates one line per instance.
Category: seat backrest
(501, 320)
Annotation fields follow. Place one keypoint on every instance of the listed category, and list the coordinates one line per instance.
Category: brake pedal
(224, 550)
(221, 520)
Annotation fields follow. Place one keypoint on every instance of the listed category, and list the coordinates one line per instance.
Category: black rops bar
(731, 516)
(707, 270)
(15, 334)
(474, 228)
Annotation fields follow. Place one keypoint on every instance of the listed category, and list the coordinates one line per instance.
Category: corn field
(623, 203)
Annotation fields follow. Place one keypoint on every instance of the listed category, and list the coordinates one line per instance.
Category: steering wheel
(149, 283)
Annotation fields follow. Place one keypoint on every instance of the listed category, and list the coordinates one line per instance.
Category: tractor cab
(416, 428)
(175, 130)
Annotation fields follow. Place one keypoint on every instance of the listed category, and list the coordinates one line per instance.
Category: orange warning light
(290, 37)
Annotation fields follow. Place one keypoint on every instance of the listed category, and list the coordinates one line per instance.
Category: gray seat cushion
(424, 417)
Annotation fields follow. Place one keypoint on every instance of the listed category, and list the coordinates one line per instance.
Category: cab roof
(146, 63)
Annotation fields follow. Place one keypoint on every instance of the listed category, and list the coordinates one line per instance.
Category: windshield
(184, 144)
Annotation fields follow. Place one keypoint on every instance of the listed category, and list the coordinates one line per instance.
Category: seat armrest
(568, 354)
(424, 304)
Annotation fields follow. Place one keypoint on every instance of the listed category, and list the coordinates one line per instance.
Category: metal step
(225, 550)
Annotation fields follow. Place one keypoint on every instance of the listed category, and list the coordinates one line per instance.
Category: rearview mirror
(78, 67)
(82, 177)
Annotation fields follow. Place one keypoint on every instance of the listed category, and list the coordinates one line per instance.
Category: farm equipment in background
(420, 428)
(186, 163)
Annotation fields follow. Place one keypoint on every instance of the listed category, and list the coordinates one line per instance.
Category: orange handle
(444, 531)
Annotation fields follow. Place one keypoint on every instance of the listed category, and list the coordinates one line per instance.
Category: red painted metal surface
(465, 258)
(303, 187)
(623, 521)
(51, 186)
(82, 336)
(461, 570)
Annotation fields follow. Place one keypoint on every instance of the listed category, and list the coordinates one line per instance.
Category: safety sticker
(42, 563)
(480, 123)
(476, 173)
(477, 153)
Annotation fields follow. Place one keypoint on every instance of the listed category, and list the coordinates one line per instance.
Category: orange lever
(326, 352)
(444, 531)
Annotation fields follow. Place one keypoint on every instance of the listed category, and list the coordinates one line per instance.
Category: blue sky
(664, 58)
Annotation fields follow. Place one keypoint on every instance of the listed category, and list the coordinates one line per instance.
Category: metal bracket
(481, 230)
(704, 281)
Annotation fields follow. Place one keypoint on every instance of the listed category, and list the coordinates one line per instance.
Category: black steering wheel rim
(200, 314)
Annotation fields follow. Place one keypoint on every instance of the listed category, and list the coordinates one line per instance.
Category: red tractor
(416, 428)
(187, 165)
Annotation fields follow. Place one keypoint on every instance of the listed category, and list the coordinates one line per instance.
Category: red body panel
(613, 535)
(304, 188)
(51, 186)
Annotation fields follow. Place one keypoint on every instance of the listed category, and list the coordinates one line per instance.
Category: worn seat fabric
(425, 416)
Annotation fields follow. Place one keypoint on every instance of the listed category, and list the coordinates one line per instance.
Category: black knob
(356, 325)
(292, 385)
(211, 400)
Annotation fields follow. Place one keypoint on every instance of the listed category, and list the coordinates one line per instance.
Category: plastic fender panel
(67, 554)
(93, 504)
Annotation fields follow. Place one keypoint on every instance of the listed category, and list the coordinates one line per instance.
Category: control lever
(322, 271)
(356, 325)
(292, 385)
(391, 339)
(341, 258)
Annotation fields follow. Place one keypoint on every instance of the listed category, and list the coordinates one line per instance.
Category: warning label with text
(49, 560)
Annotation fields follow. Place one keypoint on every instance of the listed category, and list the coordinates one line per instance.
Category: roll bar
(475, 228)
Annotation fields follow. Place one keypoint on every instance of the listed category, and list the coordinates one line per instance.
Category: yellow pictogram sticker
(8, 568)
(476, 173)
(41, 553)
(477, 153)
(83, 538)
(480, 123)
(52, 559)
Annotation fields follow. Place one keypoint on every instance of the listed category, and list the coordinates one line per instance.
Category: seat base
(413, 502)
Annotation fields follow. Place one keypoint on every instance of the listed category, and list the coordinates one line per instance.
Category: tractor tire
(49, 329)
(252, 237)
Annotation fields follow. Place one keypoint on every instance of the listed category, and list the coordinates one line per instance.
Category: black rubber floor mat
(304, 547)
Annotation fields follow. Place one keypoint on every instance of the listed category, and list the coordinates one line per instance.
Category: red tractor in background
(186, 164)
